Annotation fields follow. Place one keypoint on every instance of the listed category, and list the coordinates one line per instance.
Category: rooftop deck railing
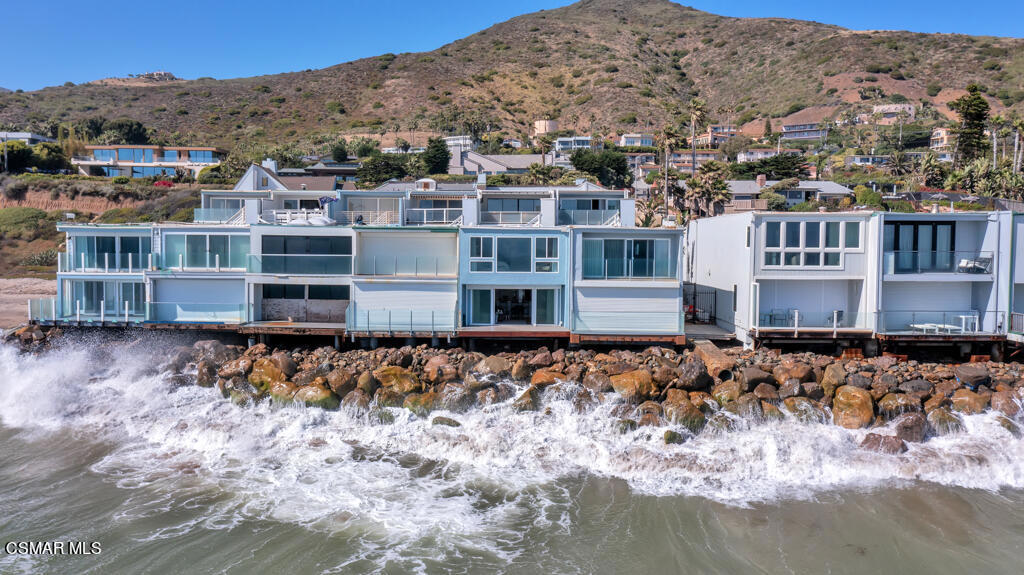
(416, 266)
(427, 216)
(105, 262)
(917, 262)
(215, 215)
(367, 218)
(508, 218)
(588, 217)
(300, 264)
(203, 261)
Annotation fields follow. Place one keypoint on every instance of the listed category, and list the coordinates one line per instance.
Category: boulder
(663, 375)
(367, 383)
(815, 391)
(618, 368)
(673, 437)
(703, 401)
(341, 381)
(239, 367)
(282, 391)
(543, 377)
(771, 411)
(915, 386)
(766, 392)
(634, 386)
(626, 425)
(445, 421)
(420, 403)
(833, 378)
(597, 382)
(749, 406)
(455, 398)
(894, 404)
(541, 359)
(356, 400)
(388, 397)
(239, 390)
(214, 351)
(284, 362)
(475, 384)
(493, 365)
(1006, 402)
(969, 402)
(752, 377)
(726, 392)
(265, 373)
(692, 375)
(529, 400)
(858, 380)
(883, 444)
(679, 410)
(943, 421)
(719, 364)
(206, 373)
(972, 375)
(520, 370)
(436, 362)
(911, 427)
(317, 395)
(935, 402)
(852, 407)
(400, 378)
(792, 370)
(790, 389)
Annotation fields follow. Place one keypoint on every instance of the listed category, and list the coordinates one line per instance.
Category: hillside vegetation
(599, 66)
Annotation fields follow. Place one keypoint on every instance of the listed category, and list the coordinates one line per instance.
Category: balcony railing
(628, 322)
(588, 217)
(216, 215)
(746, 206)
(509, 218)
(917, 262)
(105, 262)
(300, 264)
(1017, 322)
(367, 218)
(204, 261)
(427, 216)
(419, 266)
(818, 320)
(631, 268)
(176, 312)
(49, 309)
(945, 322)
(286, 217)
(399, 320)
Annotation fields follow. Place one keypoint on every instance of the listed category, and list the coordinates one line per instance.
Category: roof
(326, 183)
(153, 147)
(441, 187)
(511, 161)
(812, 115)
(750, 187)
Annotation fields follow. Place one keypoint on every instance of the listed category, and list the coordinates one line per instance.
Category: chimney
(481, 181)
(761, 180)
(270, 165)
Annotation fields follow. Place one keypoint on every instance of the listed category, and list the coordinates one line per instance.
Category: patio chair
(976, 266)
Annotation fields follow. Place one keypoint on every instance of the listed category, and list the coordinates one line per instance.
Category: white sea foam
(434, 485)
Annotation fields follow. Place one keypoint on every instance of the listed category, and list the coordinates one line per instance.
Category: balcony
(510, 218)
(428, 216)
(946, 262)
(830, 320)
(300, 264)
(298, 217)
(588, 217)
(368, 218)
(411, 266)
(218, 216)
(399, 320)
(202, 261)
(941, 323)
(49, 310)
(105, 262)
(628, 322)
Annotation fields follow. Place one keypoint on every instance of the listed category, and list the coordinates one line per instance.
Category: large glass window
(480, 306)
(772, 237)
(513, 254)
(481, 247)
(852, 239)
(174, 250)
(547, 303)
(328, 292)
(812, 234)
(239, 251)
(219, 254)
(546, 252)
(792, 234)
(195, 252)
(831, 234)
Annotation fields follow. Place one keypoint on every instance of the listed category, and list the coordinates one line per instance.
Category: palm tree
(901, 117)
(698, 115)
(898, 163)
(1018, 149)
(994, 124)
(707, 191)
(930, 171)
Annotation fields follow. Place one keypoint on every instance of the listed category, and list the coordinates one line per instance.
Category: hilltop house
(140, 161)
(28, 138)
(755, 154)
(746, 193)
(636, 140)
(942, 140)
(716, 135)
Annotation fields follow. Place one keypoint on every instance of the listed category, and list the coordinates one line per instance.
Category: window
(792, 234)
(792, 259)
(831, 234)
(852, 235)
(812, 234)
(733, 297)
(831, 258)
(812, 259)
(772, 258)
(482, 266)
(481, 247)
(546, 252)
(328, 292)
(282, 291)
(772, 237)
(514, 254)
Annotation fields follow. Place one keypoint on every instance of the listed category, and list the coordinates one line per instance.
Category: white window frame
(481, 259)
(548, 258)
(802, 249)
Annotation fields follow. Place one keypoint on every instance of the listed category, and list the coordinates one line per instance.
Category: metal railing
(286, 217)
(944, 322)
(176, 312)
(916, 262)
(430, 266)
(1017, 322)
(399, 320)
(105, 262)
(818, 320)
(628, 322)
(631, 268)
(508, 218)
(300, 264)
(206, 261)
(215, 215)
(425, 216)
(367, 218)
(587, 217)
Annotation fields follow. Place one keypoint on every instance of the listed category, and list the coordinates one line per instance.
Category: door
(480, 307)
(547, 307)
(513, 306)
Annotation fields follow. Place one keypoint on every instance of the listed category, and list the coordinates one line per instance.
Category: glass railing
(587, 217)
(44, 309)
(299, 264)
(407, 266)
(1017, 322)
(799, 319)
(916, 262)
(49, 309)
(422, 216)
(367, 218)
(104, 262)
(202, 261)
(399, 320)
(945, 322)
(633, 268)
(214, 215)
(628, 322)
(167, 312)
(508, 218)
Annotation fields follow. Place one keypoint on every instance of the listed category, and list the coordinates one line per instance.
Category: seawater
(96, 444)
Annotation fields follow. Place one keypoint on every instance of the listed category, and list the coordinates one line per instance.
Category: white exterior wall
(716, 255)
(634, 309)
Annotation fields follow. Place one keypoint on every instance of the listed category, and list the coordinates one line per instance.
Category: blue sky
(78, 41)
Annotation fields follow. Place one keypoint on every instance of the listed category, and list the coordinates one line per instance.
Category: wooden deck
(514, 331)
(291, 328)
